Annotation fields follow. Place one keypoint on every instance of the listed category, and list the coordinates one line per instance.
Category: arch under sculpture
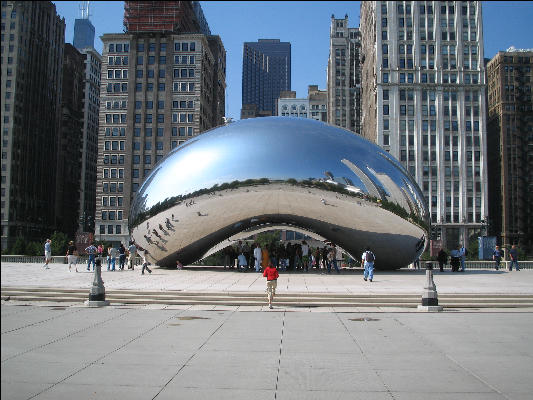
(275, 171)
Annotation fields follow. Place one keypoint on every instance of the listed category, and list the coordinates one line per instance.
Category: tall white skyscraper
(424, 102)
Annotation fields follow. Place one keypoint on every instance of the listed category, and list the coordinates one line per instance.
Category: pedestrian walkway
(137, 353)
(218, 279)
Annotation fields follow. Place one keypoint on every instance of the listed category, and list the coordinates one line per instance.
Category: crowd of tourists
(287, 257)
(117, 258)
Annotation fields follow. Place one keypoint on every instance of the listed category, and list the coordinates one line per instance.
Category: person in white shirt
(257, 256)
(367, 259)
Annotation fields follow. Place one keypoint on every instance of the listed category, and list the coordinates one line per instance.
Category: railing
(55, 260)
(484, 264)
(138, 261)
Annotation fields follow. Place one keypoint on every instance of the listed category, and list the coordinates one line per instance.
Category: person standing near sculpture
(257, 256)
(513, 254)
(497, 257)
(367, 259)
(72, 256)
(442, 258)
(463, 253)
(47, 253)
(132, 252)
(91, 251)
(113, 252)
(122, 256)
(145, 263)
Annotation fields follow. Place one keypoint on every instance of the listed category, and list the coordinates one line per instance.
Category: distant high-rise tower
(32, 68)
(424, 102)
(510, 147)
(83, 29)
(266, 72)
(344, 75)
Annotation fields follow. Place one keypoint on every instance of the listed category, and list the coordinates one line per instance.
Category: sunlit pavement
(217, 279)
(56, 350)
(137, 352)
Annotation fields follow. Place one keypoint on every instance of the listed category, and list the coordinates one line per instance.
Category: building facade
(266, 72)
(68, 170)
(157, 91)
(424, 102)
(33, 38)
(510, 146)
(91, 110)
(314, 106)
(344, 75)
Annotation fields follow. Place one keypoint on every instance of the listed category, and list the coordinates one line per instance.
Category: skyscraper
(424, 102)
(266, 72)
(159, 88)
(344, 75)
(83, 29)
(32, 67)
(83, 34)
(510, 146)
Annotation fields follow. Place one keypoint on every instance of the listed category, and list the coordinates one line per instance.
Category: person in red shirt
(271, 274)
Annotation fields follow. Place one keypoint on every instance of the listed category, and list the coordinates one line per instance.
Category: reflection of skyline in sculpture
(304, 173)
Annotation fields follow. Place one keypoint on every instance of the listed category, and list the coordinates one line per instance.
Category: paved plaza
(217, 279)
(155, 351)
(139, 352)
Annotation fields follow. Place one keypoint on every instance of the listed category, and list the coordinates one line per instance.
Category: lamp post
(97, 293)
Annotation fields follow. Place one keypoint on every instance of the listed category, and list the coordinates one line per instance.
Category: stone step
(258, 299)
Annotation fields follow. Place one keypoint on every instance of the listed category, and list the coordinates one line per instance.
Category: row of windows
(117, 88)
(116, 105)
(115, 118)
(114, 159)
(113, 173)
(114, 145)
(113, 187)
(178, 46)
(148, 145)
(177, 87)
(118, 229)
(118, 47)
(115, 131)
(176, 131)
(430, 77)
(118, 60)
(117, 74)
(111, 215)
(428, 35)
(111, 201)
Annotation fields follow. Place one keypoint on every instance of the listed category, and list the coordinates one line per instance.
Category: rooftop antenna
(84, 9)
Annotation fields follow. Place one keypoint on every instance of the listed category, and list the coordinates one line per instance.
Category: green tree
(59, 243)
(34, 249)
(267, 238)
(19, 247)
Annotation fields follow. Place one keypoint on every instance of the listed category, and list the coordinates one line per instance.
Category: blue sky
(305, 25)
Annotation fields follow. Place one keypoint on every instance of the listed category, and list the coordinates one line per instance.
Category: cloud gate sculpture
(279, 171)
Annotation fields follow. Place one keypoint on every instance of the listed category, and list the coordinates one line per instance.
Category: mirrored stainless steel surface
(297, 172)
